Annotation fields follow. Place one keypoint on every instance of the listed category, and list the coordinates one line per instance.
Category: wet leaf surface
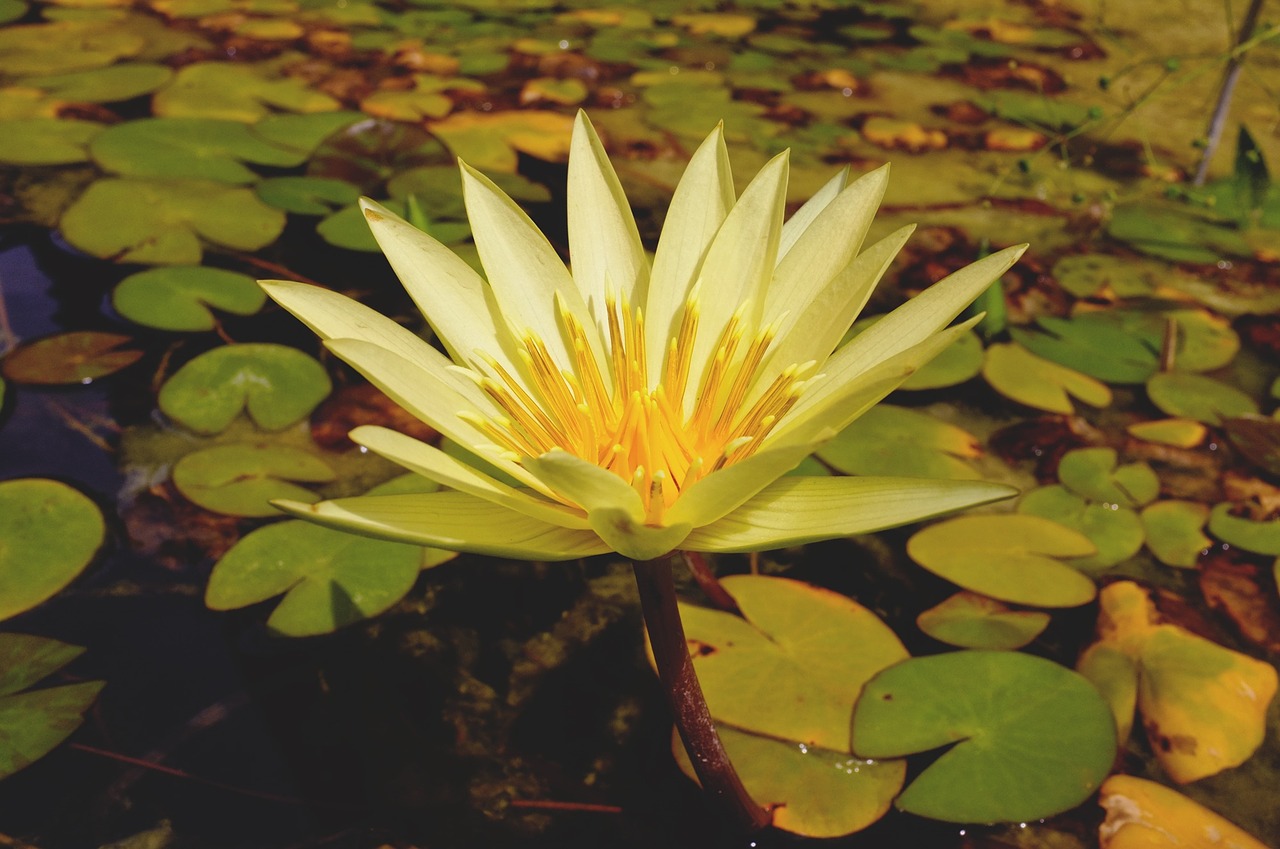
(1035, 739)
(77, 357)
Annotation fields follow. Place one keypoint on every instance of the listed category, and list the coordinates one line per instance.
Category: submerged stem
(693, 720)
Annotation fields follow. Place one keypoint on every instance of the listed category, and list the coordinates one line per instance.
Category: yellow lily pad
(1020, 375)
(1203, 706)
(1142, 814)
(236, 92)
(489, 141)
(723, 24)
(1180, 433)
(973, 621)
(1012, 558)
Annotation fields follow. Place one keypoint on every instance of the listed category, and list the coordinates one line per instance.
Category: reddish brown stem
(693, 720)
(708, 583)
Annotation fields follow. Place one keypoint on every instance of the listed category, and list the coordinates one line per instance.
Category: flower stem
(693, 720)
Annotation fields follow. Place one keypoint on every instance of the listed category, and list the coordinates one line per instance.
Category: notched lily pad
(180, 297)
(199, 148)
(104, 85)
(1092, 473)
(1194, 396)
(1258, 537)
(46, 141)
(276, 384)
(897, 441)
(242, 479)
(35, 721)
(236, 92)
(307, 195)
(81, 356)
(1173, 530)
(1115, 531)
(1016, 373)
(50, 533)
(1012, 558)
(973, 621)
(489, 141)
(1035, 739)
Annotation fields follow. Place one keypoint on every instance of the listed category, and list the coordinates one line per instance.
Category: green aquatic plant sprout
(644, 408)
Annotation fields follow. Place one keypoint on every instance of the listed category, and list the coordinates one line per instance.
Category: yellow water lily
(635, 406)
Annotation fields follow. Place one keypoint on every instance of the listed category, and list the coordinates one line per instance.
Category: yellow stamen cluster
(641, 432)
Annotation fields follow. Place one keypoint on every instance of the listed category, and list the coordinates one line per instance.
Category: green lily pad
(1096, 347)
(1020, 375)
(1092, 473)
(11, 10)
(1034, 739)
(179, 297)
(65, 46)
(897, 441)
(241, 479)
(46, 141)
(104, 85)
(80, 356)
(1258, 439)
(783, 669)
(1012, 558)
(302, 134)
(1173, 531)
(1038, 110)
(1194, 396)
(1115, 676)
(307, 195)
(277, 385)
(36, 721)
(50, 533)
(162, 222)
(1115, 531)
(973, 621)
(810, 790)
(330, 579)
(1084, 275)
(1258, 537)
(236, 92)
(372, 151)
(201, 8)
(200, 148)
(1177, 233)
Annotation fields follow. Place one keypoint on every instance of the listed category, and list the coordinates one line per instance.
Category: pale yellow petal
(604, 244)
(431, 462)
(721, 492)
(803, 217)
(797, 510)
(453, 520)
(702, 199)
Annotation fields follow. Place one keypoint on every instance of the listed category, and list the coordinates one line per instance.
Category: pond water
(157, 157)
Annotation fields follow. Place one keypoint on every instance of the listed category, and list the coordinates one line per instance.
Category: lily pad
(179, 297)
(1093, 346)
(1194, 396)
(973, 621)
(200, 148)
(784, 668)
(1176, 233)
(1013, 558)
(958, 362)
(1258, 537)
(1143, 814)
(51, 533)
(1203, 706)
(1092, 473)
(488, 141)
(1181, 433)
(897, 441)
(236, 92)
(1115, 676)
(1034, 739)
(11, 10)
(46, 141)
(35, 721)
(161, 222)
(1115, 531)
(1173, 530)
(277, 385)
(104, 85)
(242, 479)
(1016, 373)
(65, 46)
(81, 356)
(307, 195)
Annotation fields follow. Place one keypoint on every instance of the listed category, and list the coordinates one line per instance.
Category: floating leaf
(1092, 473)
(50, 533)
(1203, 706)
(1038, 110)
(1115, 676)
(1197, 397)
(36, 721)
(161, 222)
(64, 46)
(236, 92)
(1142, 814)
(1007, 557)
(1032, 740)
(369, 152)
(1258, 537)
(11, 10)
(1258, 439)
(488, 141)
(81, 356)
(974, 621)
(1173, 531)
(202, 148)
(277, 385)
(550, 90)
(1085, 275)
(1022, 376)
(180, 297)
(1176, 233)
(897, 134)
(45, 141)
(1094, 347)
(897, 441)
(810, 790)
(307, 195)
(784, 668)
(242, 479)
(302, 134)
(330, 579)
(104, 85)
(1181, 433)
(1115, 531)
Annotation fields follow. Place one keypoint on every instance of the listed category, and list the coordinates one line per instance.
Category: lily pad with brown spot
(80, 356)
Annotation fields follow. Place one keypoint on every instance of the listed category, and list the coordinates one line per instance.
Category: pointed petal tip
(374, 211)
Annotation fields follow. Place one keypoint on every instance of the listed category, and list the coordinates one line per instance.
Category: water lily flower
(634, 406)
